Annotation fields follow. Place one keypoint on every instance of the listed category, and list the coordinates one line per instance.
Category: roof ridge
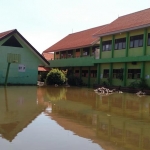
(86, 29)
(104, 26)
(133, 12)
(3, 34)
(8, 31)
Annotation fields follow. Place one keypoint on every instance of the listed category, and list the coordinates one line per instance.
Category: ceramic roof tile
(48, 56)
(76, 40)
(127, 22)
(3, 34)
(43, 69)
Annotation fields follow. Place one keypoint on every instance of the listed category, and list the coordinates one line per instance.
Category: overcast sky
(45, 22)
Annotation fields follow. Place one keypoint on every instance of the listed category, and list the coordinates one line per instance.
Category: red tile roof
(43, 69)
(4, 34)
(76, 40)
(128, 22)
(48, 56)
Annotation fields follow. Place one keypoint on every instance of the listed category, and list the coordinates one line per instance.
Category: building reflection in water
(116, 121)
(19, 106)
(121, 119)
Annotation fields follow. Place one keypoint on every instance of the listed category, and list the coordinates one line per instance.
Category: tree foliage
(55, 76)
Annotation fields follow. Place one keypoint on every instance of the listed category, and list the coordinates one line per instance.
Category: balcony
(72, 62)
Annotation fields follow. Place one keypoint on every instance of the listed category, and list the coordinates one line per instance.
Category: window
(136, 41)
(120, 43)
(86, 52)
(93, 73)
(106, 73)
(70, 53)
(13, 42)
(76, 71)
(118, 74)
(107, 45)
(84, 73)
(134, 73)
(148, 39)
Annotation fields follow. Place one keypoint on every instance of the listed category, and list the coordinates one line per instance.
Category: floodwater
(44, 118)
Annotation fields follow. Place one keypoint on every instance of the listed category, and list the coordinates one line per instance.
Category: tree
(55, 76)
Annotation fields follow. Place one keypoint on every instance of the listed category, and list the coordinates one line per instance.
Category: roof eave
(71, 48)
(34, 49)
(123, 30)
(15, 31)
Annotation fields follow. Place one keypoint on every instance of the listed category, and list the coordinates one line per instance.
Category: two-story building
(120, 51)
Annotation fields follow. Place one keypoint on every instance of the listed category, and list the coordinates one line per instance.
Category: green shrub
(55, 76)
(74, 81)
(139, 84)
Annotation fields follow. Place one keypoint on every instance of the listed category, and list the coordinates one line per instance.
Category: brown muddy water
(44, 118)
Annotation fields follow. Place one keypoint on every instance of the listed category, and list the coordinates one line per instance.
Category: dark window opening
(93, 73)
(70, 53)
(84, 73)
(76, 71)
(77, 50)
(107, 45)
(118, 74)
(134, 73)
(136, 41)
(120, 43)
(86, 51)
(148, 39)
(13, 42)
(106, 73)
(63, 54)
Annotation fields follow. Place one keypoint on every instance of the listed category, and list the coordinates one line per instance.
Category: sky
(44, 22)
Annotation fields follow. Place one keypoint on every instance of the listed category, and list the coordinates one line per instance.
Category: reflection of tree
(55, 94)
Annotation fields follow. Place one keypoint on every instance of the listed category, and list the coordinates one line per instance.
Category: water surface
(43, 118)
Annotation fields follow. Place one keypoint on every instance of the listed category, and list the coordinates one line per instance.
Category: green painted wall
(28, 59)
(133, 52)
(106, 54)
(117, 82)
(131, 66)
(148, 47)
(147, 72)
(103, 66)
(119, 53)
(72, 62)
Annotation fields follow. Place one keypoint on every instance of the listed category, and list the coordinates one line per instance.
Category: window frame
(134, 73)
(120, 44)
(136, 41)
(148, 40)
(107, 45)
(106, 73)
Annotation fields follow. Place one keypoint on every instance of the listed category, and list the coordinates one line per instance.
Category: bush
(55, 76)
(74, 81)
(139, 84)
(43, 76)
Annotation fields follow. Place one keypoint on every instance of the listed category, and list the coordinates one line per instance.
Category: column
(144, 41)
(127, 43)
(110, 74)
(98, 73)
(80, 72)
(101, 48)
(143, 70)
(113, 43)
(89, 76)
(125, 74)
